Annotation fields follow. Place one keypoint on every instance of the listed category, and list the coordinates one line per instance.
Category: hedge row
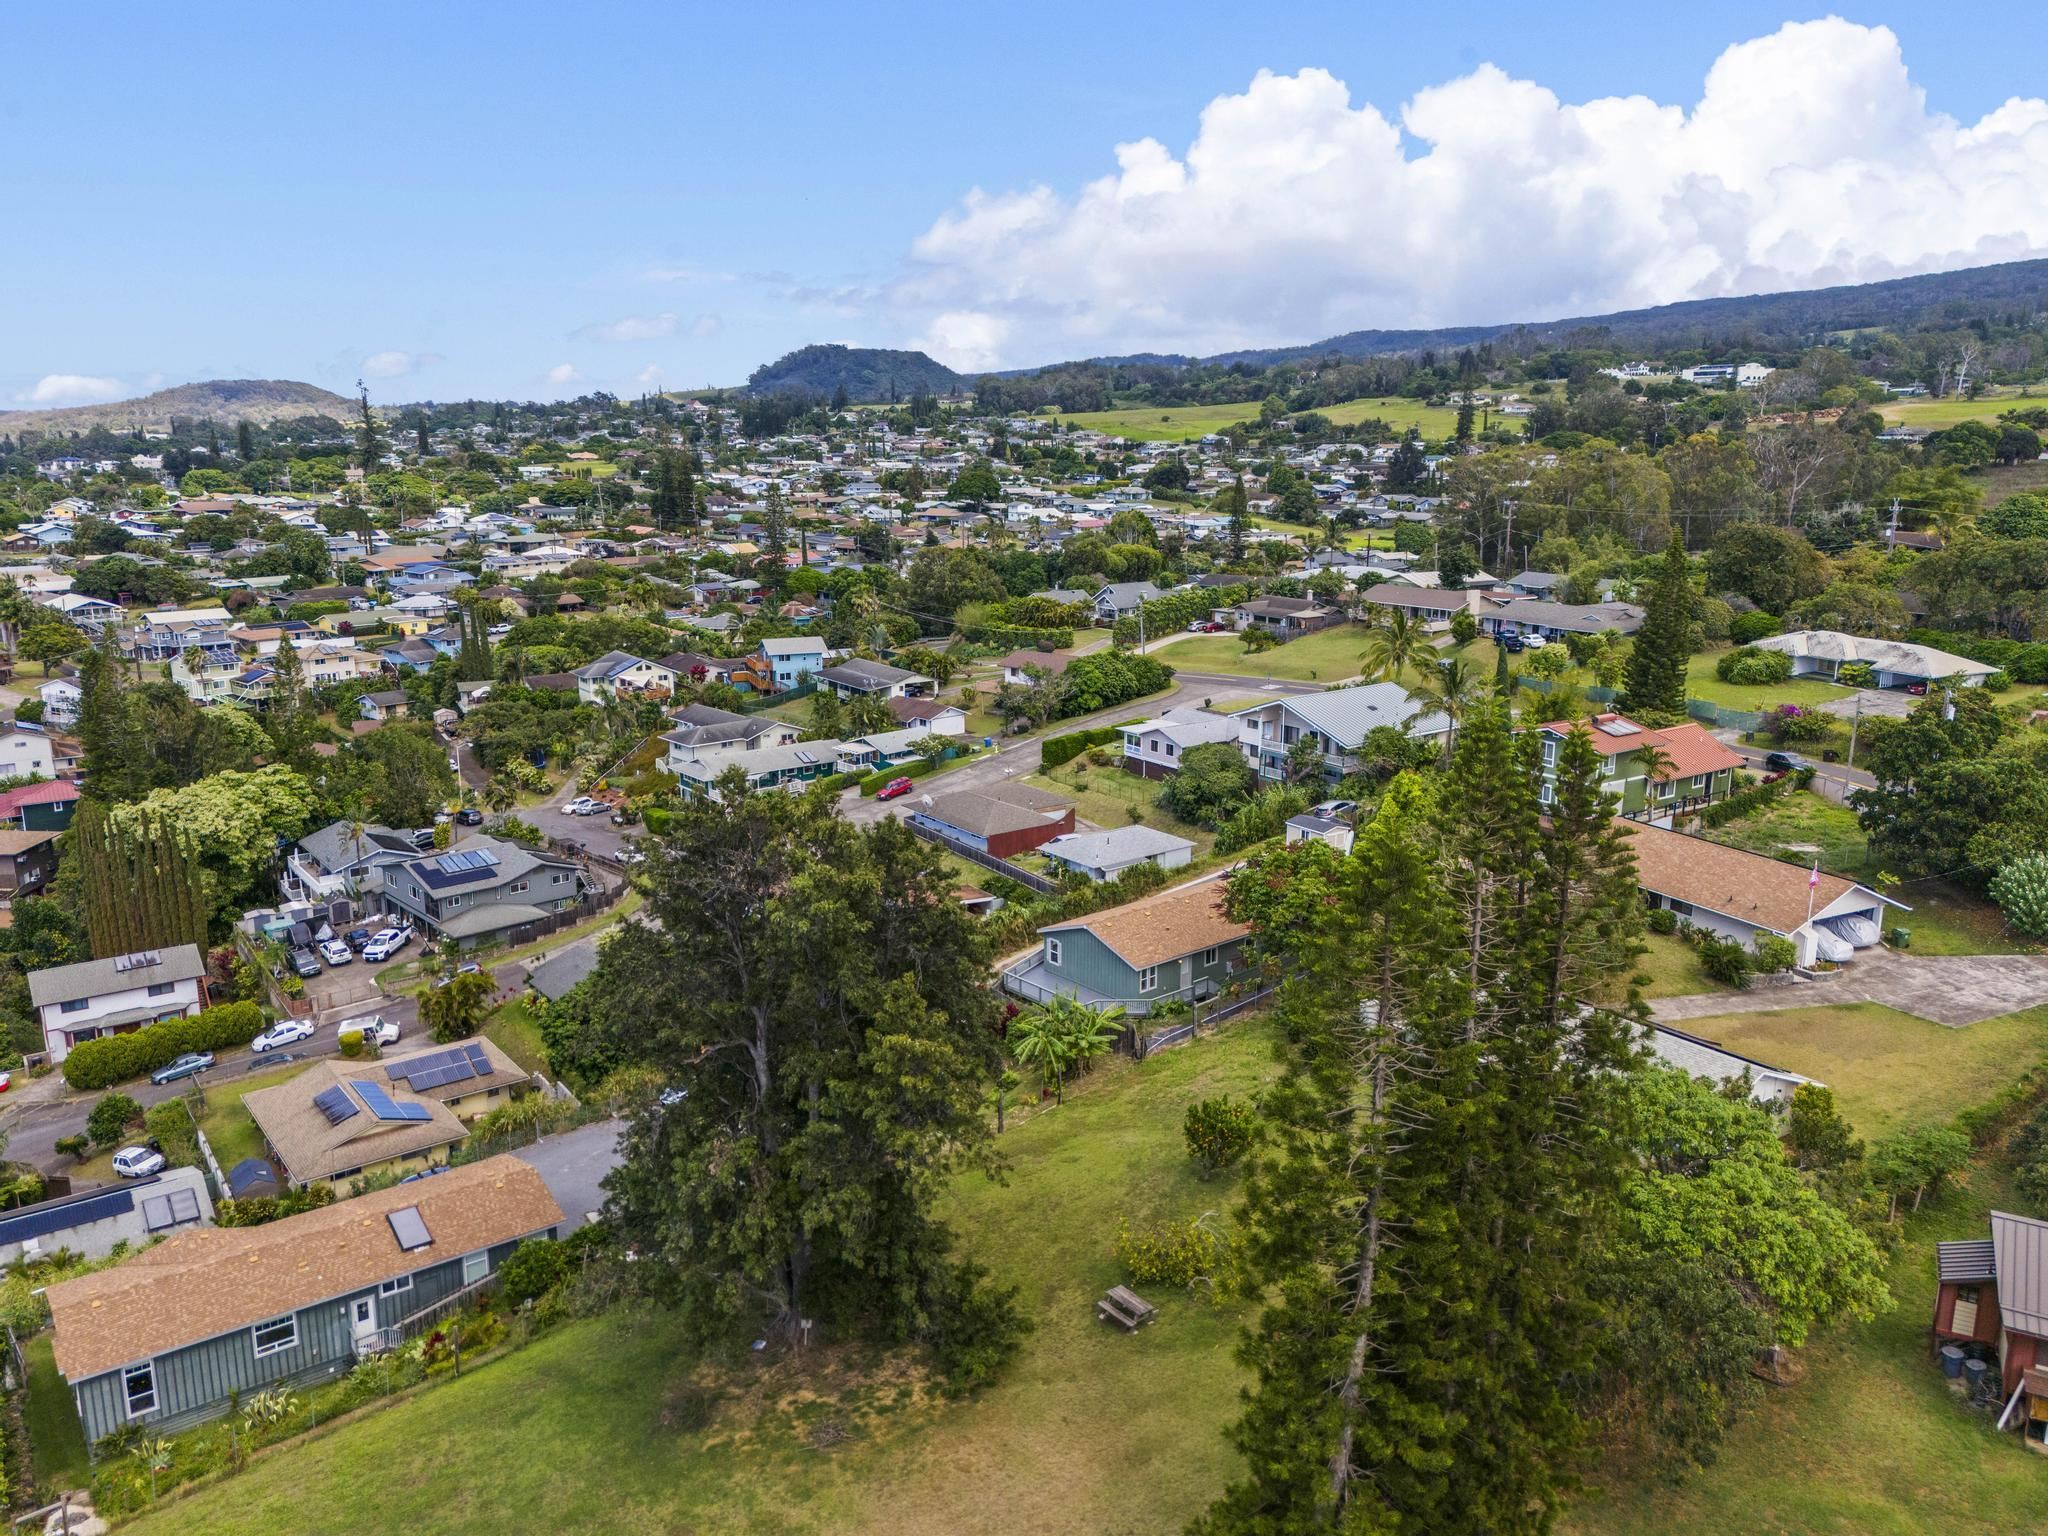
(1746, 801)
(1017, 637)
(1174, 611)
(1055, 750)
(917, 770)
(116, 1058)
(2027, 661)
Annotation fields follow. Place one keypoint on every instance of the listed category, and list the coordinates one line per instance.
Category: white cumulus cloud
(1810, 158)
(563, 373)
(649, 376)
(632, 328)
(72, 389)
(398, 365)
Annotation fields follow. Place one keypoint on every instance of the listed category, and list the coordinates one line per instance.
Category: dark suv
(306, 963)
(1784, 762)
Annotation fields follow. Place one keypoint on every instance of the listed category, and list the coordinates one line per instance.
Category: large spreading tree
(818, 1003)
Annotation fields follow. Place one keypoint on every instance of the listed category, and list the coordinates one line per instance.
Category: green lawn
(516, 1032)
(1701, 683)
(1092, 1431)
(55, 1438)
(1944, 920)
(1105, 797)
(1673, 967)
(1889, 1070)
(229, 1128)
(1183, 423)
(1328, 656)
(1870, 1443)
(1933, 415)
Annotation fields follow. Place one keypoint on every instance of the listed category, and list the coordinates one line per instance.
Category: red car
(892, 789)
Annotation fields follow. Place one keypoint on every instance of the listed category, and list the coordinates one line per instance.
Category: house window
(1052, 951)
(395, 1287)
(1545, 792)
(1148, 979)
(138, 1383)
(75, 1005)
(163, 989)
(1682, 908)
(1549, 749)
(1209, 956)
(474, 1267)
(279, 1333)
(517, 885)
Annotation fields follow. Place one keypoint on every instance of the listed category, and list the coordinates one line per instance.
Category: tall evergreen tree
(143, 887)
(245, 440)
(1442, 1149)
(419, 424)
(369, 436)
(116, 754)
(1240, 520)
(1654, 685)
(288, 715)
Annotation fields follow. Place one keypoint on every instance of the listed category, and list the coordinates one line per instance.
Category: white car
(385, 943)
(334, 952)
(375, 1029)
(1533, 642)
(138, 1162)
(583, 805)
(283, 1032)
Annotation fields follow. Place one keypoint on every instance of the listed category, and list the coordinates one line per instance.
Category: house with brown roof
(340, 1120)
(1175, 946)
(1695, 767)
(176, 1333)
(1991, 1301)
(1003, 820)
(1743, 896)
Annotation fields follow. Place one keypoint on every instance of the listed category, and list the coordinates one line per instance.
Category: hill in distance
(868, 374)
(226, 401)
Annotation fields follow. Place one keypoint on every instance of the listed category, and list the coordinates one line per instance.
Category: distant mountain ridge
(227, 401)
(868, 374)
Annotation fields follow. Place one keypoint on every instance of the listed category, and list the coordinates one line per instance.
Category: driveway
(574, 1164)
(594, 832)
(1946, 989)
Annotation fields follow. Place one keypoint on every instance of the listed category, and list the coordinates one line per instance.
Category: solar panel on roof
(439, 1068)
(409, 1228)
(335, 1104)
(384, 1107)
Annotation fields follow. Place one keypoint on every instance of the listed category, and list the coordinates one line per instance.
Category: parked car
(1335, 809)
(374, 1027)
(335, 952)
(1533, 642)
(632, 856)
(191, 1064)
(1784, 762)
(893, 789)
(283, 1032)
(6, 1081)
(356, 938)
(305, 963)
(1512, 644)
(470, 816)
(385, 943)
(583, 805)
(467, 968)
(423, 839)
(271, 1063)
(139, 1162)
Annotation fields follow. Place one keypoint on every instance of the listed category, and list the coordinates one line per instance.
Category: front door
(363, 1319)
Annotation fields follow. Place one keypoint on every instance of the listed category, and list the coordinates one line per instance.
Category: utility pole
(1855, 724)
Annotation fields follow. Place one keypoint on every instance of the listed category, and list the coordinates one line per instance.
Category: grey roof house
(481, 888)
(336, 863)
(111, 996)
(94, 1223)
(856, 676)
(1105, 855)
(1121, 597)
(1338, 721)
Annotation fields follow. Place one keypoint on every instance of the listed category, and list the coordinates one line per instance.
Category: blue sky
(526, 200)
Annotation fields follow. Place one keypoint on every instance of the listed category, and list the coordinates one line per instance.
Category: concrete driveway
(1955, 990)
(574, 1164)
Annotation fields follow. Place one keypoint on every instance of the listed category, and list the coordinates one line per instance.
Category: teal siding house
(173, 1335)
(1176, 947)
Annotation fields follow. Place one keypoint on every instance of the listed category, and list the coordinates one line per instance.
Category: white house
(60, 696)
(616, 672)
(793, 661)
(1105, 855)
(110, 997)
(1824, 652)
(25, 751)
(1154, 748)
(1338, 721)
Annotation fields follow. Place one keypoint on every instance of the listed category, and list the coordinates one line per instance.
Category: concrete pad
(1955, 990)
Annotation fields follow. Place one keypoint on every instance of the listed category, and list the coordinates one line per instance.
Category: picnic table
(1126, 1308)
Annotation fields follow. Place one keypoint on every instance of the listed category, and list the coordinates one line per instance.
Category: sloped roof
(1117, 845)
(1000, 808)
(311, 1146)
(2020, 1246)
(1155, 929)
(1884, 655)
(96, 978)
(205, 1281)
(1751, 887)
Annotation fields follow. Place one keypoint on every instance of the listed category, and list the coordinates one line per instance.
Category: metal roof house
(1991, 1297)
(1339, 721)
(1105, 855)
(1153, 748)
(94, 1222)
(173, 1335)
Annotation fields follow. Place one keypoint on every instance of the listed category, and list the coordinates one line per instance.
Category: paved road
(1833, 780)
(574, 1165)
(1015, 757)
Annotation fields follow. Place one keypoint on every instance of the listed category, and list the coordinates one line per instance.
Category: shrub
(1790, 723)
(1177, 1253)
(79, 1146)
(111, 1117)
(1662, 920)
(351, 1042)
(536, 1267)
(1055, 751)
(1218, 1131)
(972, 1326)
(1775, 953)
(1724, 960)
(1746, 629)
(116, 1058)
(258, 1209)
(1857, 674)
(1998, 681)
(2021, 891)
(1752, 667)
(170, 1126)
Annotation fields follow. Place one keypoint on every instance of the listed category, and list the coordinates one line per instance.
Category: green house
(176, 1333)
(1695, 768)
(1177, 946)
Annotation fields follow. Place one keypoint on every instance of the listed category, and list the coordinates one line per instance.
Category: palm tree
(1392, 646)
(1656, 764)
(1952, 523)
(1036, 1041)
(1450, 689)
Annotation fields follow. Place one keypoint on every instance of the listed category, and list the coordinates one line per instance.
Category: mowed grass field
(1093, 1432)
(1933, 415)
(1184, 423)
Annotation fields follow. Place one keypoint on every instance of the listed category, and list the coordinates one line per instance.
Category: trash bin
(1952, 1361)
(1974, 1371)
(1900, 938)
